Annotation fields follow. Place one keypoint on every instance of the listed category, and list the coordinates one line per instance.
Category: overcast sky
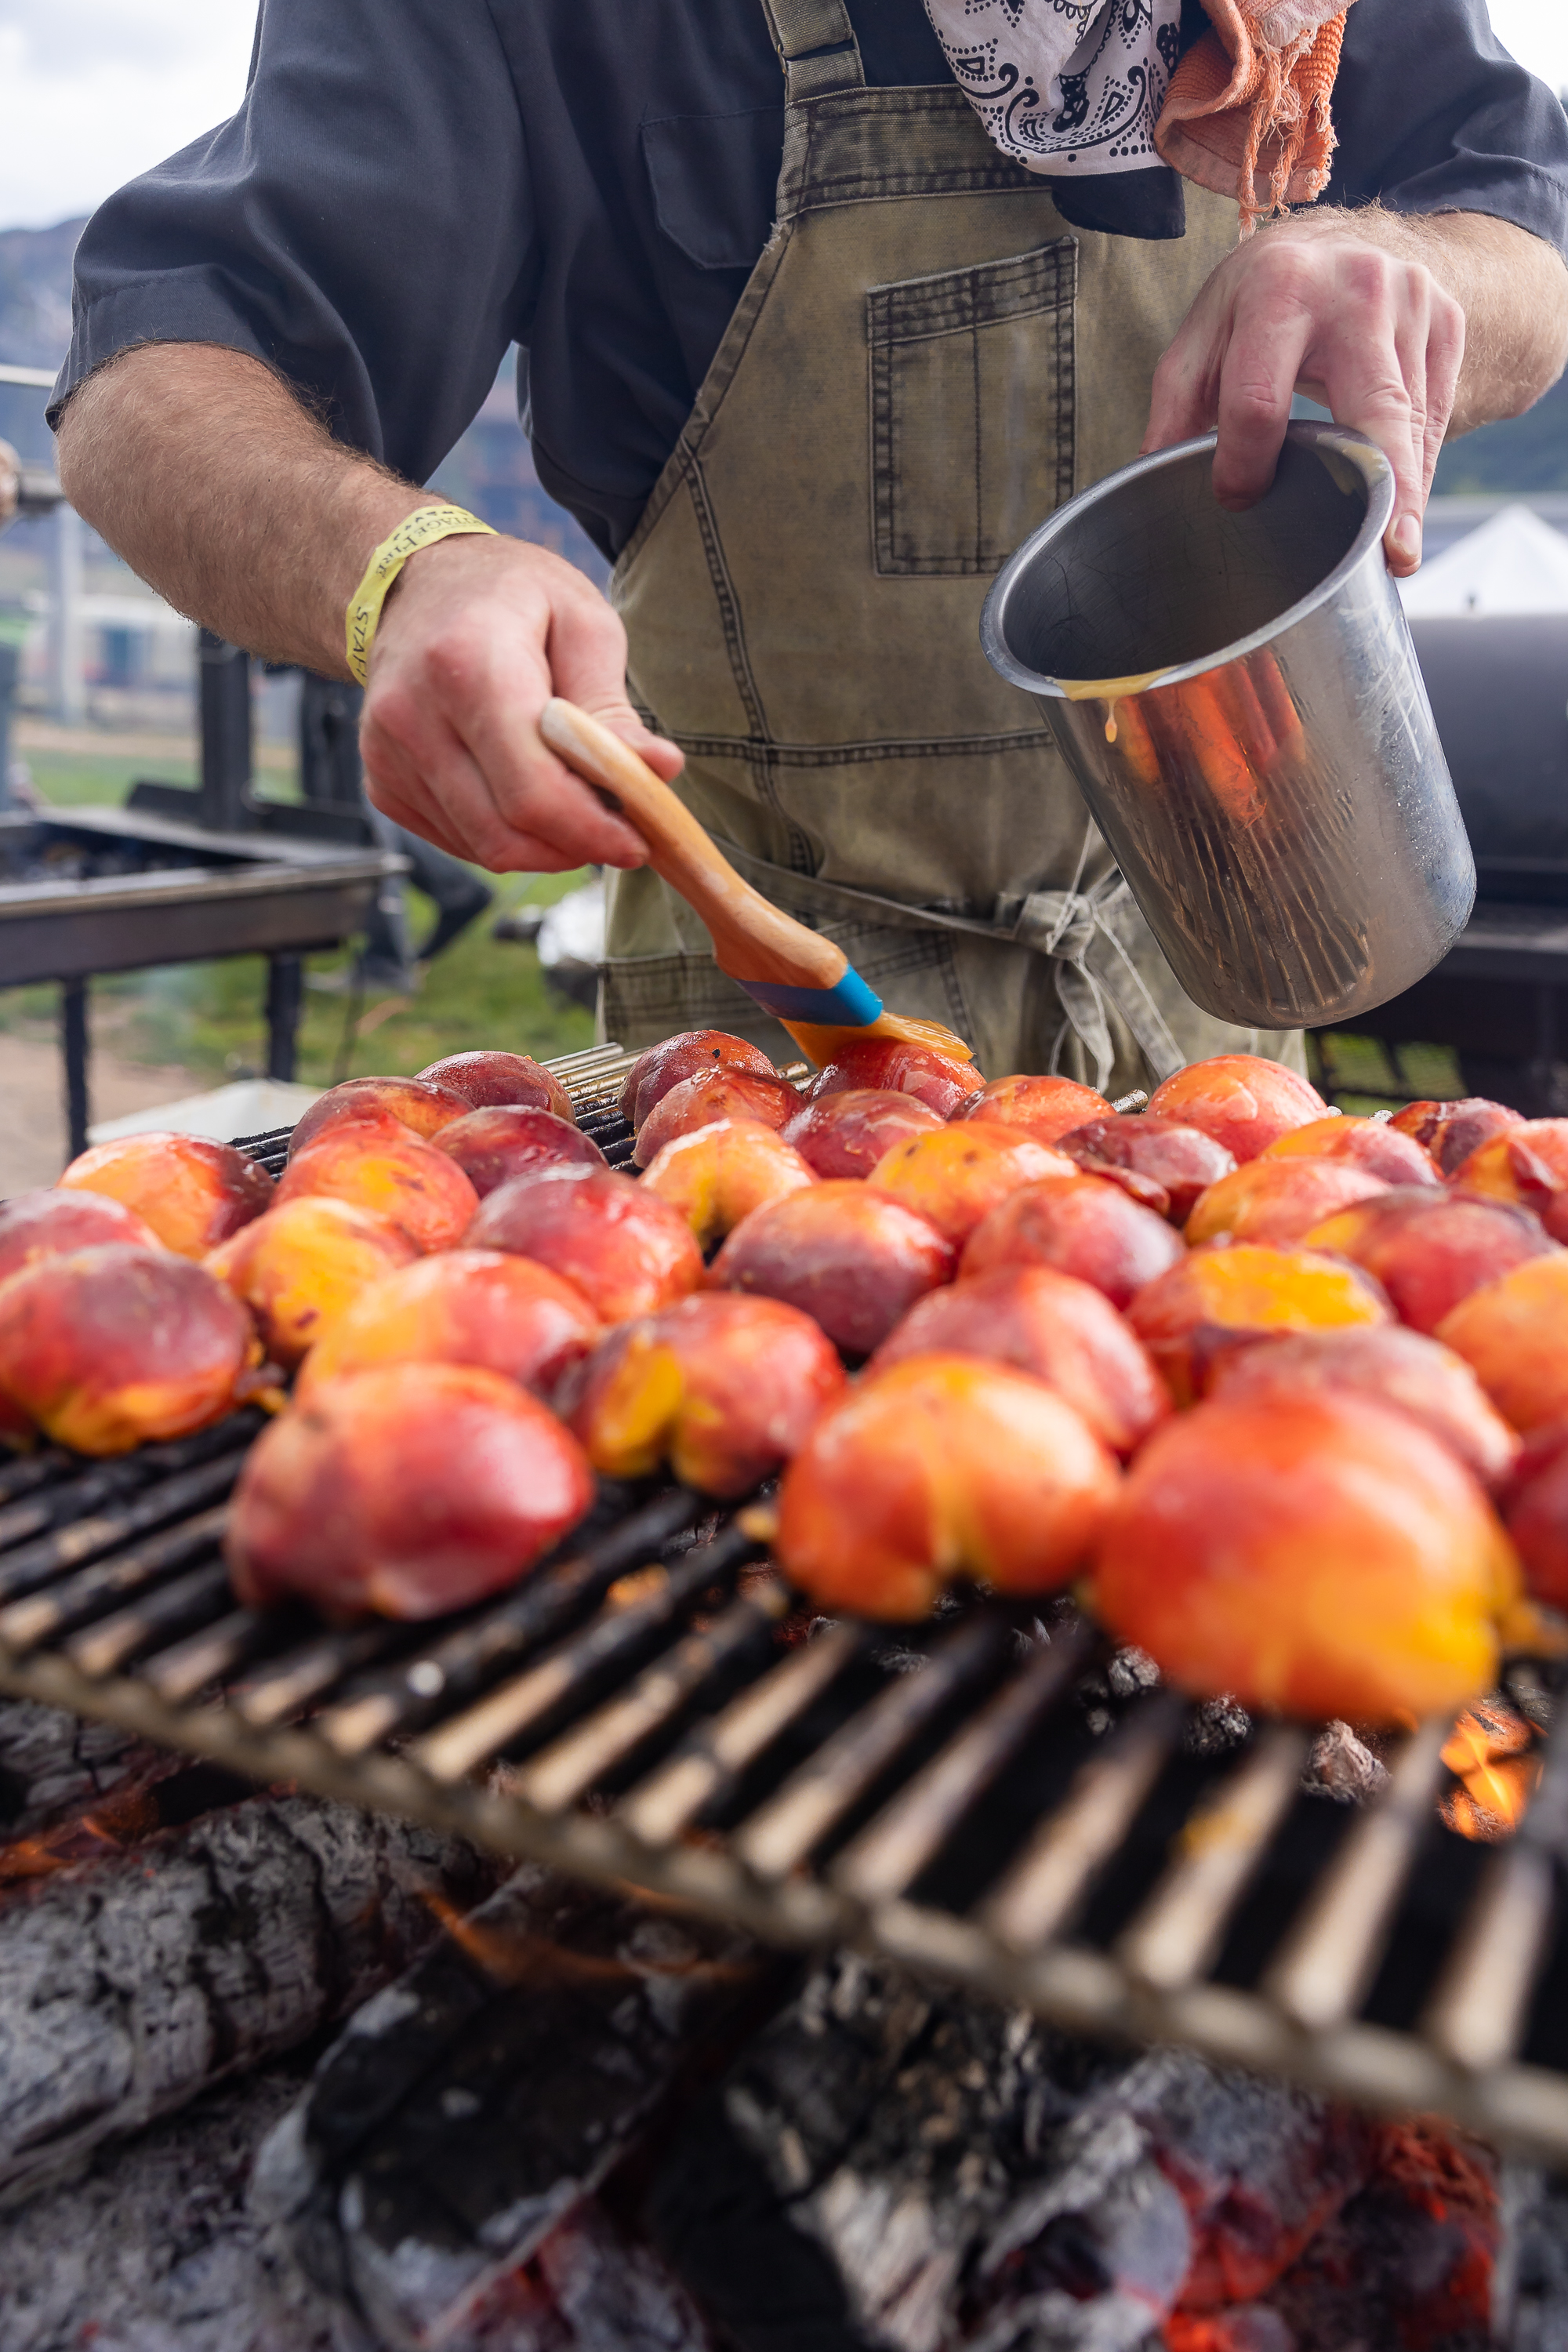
(93, 91)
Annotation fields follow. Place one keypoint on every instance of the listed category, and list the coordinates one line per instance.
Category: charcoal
(1530, 2297)
(474, 2106)
(1130, 1670)
(1215, 1727)
(51, 1765)
(1343, 1767)
(129, 1983)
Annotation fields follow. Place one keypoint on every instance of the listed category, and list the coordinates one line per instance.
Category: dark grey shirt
(410, 185)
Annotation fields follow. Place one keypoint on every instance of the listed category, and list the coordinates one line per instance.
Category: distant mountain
(1527, 453)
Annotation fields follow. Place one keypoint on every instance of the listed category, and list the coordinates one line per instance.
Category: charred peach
(1063, 1332)
(1178, 1162)
(627, 1251)
(465, 1306)
(1401, 1369)
(114, 1346)
(1429, 1249)
(415, 1103)
(193, 1194)
(1047, 1108)
(1317, 1554)
(1243, 1102)
(846, 1134)
(1535, 1512)
(54, 1224)
(719, 1174)
(958, 1176)
(889, 1066)
(848, 1258)
(942, 1466)
(484, 1079)
(1513, 1334)
(414, 1187)
(302, 1264)
(713, 1094)
(514, 1139)
(695, 1053)
(408, 1491)
(1375, 1144)
(1081, 1225)
(1449, 1132)
(1215, 1298)
(722, 1388)
(1280, 1200)
(1528, 1164)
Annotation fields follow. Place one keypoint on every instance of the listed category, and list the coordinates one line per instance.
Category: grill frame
(902, 1772)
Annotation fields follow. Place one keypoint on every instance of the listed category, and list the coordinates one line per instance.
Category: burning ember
(1492, 1751)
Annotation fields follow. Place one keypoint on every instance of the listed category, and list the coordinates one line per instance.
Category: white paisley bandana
(1064, 86)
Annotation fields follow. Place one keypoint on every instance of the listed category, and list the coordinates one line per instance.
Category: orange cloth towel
(1251, 101)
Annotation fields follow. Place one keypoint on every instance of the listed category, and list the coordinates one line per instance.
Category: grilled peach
(942, 1466)
(414, 1187)
(1535, 1512)
(888, 1065)
(1179, 1161)
(302, 1264)
(416, 1103)
(713, 1094)
(694, 1053)
(408, 1491)
(960, 1174)
(1062, 1330)
(1242, 1100)
(1513, 1334)
(114, 1346)
(512, 1140)
(1428, 1248)
(1317, 1553)
(1280, 1200)
(1213, 1298)
(1529, 1164)
(848, 1256)
(627, 1251)
(1449, 1132)
(719, 1174)
(721, 1388)
(1081, 1225)
(1403, 1369)
(465, 1306)
(846, 1134)
(489, 1078)
(1045, 1107)
(1375, 1144)
(54, 1224)
(191, 1192)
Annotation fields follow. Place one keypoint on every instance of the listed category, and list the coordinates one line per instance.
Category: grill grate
(981, 1798)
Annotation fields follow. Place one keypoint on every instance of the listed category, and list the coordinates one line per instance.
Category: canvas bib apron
(925, 362)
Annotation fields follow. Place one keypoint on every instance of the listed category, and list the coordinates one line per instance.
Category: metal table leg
(285, 1001)
(74, 1056)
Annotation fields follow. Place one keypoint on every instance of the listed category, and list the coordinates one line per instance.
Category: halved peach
(465, 1306)
(1062, 1330)
(409, 1491)
(1449, 1132)
(302, 1266)
(54, 1224)
(1430, 1249)
(713, 1094)
(487, 1079)
(1535, 1512)
(1080, 1225)
(1178, 1162)
(1513, 1334)
(193, 1194)
(1280, 1200)
(414, 1187)
(942, 1466)
(1213, 1298)
(1528, 1163)
(1045, 1107)
(890, 1064)
(724, 1387)
(957, 1176)
(1375, 1144)
(717, 1175)
(1318, 1554)
(1242, 1100)
(512, 1140)
(627, 1251)
(845, 1134)
(695, 1052)
(112, 1347)
(849, 1257)
(416, 1103)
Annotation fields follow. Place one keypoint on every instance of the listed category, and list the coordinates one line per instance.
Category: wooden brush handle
(753, 938)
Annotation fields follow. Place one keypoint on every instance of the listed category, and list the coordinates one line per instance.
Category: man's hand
(1404, 329)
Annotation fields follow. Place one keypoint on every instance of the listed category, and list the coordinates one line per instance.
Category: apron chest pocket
(972, 410)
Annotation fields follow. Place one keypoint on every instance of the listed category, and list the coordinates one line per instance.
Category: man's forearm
(201, 470)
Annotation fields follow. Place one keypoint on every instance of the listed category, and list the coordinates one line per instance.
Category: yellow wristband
(420, 529)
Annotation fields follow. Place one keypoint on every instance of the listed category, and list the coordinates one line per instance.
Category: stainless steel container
(1257, 747)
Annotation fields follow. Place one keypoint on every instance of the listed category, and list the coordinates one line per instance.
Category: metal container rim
(1366, 458)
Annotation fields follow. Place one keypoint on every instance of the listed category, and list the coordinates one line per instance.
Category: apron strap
(817, 46)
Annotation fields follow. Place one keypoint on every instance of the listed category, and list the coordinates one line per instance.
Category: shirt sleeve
(1434, 116)
(365, 225)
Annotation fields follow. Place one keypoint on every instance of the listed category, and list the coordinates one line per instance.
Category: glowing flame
(120, 1822)
(1489, 1752)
